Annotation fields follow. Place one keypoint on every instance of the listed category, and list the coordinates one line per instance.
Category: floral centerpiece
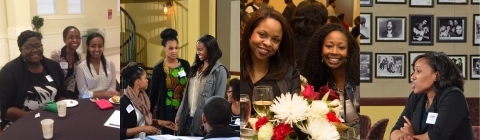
(305, 113)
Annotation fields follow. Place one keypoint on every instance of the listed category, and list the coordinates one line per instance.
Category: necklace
(336, 88)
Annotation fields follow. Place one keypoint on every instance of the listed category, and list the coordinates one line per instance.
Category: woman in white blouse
(96, 76)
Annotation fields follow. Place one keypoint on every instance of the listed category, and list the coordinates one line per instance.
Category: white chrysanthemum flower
(318, 109)
(265, 132)
(335, 102)
(290, 108)
(320, 129)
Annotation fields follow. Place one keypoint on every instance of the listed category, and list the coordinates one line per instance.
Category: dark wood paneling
(390, 101)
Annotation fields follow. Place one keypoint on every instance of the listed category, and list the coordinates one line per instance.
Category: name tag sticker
(129, 108)
(182, 73)
(64, 65)
(431, 118)
(49, 78)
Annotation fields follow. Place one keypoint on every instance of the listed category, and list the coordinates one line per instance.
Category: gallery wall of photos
(394, 32)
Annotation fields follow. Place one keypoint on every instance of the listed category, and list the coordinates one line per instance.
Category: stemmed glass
(245, 109)
(262, 98)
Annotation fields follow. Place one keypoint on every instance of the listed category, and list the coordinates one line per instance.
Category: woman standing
(332, 57)
(267, 55)
(96, 76)
(207, 78)
(69, 58)
(169, 78)
(135, 117)
(29, 81)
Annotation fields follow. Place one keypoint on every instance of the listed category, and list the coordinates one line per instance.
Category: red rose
(332, 94)
(332, 117)
(308, 92)
(260, 122)
(280, 131)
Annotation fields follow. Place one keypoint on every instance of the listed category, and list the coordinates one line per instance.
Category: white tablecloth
(169, 137)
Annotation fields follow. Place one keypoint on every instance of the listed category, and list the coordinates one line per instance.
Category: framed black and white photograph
(461, 62)
(451, 29)
(475, 2)
(452, 2)
(476, 30)
(475, 67)
(411, 56)
(390, 65)
(421, 30)
(391, 1)
(365, 28)
(421, 3)
(390, 29)
(366, 3)
(366, 67)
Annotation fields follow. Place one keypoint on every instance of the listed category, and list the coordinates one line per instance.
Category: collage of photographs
(240, 69)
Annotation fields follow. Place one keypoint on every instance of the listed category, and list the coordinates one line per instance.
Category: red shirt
(346, 26)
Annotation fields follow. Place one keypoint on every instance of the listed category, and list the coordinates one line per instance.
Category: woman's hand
(150, 130)
(407, 126)
(110, 93)
(169, 125)
(405, 136)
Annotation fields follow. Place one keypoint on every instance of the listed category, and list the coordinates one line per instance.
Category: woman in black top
(169, 78)
(135, 118)
(29, 81)
(233, 97)
(437, 108)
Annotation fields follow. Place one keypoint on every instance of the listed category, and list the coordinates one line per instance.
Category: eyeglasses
(31, 48)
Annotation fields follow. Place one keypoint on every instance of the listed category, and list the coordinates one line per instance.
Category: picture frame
(420, 3)
(366, 3)
(411, 56)
(476, 30)
(390, 65)
(366, 67)
(391, 1)
(448, 29)
(365, 28)
(474, 67)
(390, 29)
(461, 62)
(421, 31)
(475, 2)
(452, 2)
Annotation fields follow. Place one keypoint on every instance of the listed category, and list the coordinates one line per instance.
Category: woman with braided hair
(169, 78)
(96, 76)
(135, 118)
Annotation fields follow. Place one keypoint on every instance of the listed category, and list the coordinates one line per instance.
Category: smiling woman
(267, 55)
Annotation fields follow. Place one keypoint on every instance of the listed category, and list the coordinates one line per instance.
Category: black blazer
(127, 120)
(14, 79)
(288, 11)
(158, 91)
(453, 120)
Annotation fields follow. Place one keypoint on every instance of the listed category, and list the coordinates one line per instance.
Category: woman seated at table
(207, 78)
(333, 57)
(135, 117)
(436, 108)
(267, 54)
(96, 76)
(233, 97)
(69, 58)
(29, 81)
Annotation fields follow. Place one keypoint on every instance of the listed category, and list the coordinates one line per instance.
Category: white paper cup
(47, 128)
(62, 108)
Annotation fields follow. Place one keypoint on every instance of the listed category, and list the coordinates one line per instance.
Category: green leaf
(175, 102)
(325, 97)
(174, 73)
(170, 93)
(182, 81)
(168, 102)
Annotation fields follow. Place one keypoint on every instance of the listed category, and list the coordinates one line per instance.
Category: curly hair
(131, 72)
(279, 63)
(317, 72)
(308, 17)
(24, 36)
(167, 35)
(449, 73)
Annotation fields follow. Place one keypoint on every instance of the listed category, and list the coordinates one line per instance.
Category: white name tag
(237, 121)
(49, 78)
(129, 108)
(182, 73)
(431, 118)
(64, 65)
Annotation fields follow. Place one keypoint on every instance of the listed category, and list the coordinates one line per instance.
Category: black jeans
(187, 128)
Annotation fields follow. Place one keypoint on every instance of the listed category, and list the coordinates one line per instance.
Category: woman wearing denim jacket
(207, 78)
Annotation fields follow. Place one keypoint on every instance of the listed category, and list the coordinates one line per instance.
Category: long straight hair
(102, 58)
(213, 51)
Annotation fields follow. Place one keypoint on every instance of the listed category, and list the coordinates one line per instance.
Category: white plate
(71, 103)
(111, 101)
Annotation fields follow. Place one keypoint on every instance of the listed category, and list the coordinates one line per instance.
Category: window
(45, 7)
(74, 6)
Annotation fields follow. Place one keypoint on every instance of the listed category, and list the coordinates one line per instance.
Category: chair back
(378, 130)
(365, 124)
(476, 132)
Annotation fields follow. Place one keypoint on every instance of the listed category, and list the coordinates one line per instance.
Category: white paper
(114, 120)
(432, 118)
(37, 115)
(64, 65)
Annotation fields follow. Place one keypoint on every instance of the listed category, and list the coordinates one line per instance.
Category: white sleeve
(249, 9)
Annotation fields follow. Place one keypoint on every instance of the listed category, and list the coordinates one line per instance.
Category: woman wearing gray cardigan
(207, 78)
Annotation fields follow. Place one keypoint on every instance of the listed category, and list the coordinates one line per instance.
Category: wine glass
(262, 98)
(245, 109)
